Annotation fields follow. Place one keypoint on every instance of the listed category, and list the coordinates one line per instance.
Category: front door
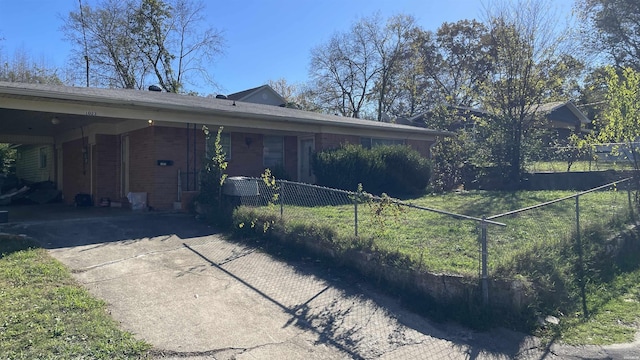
(305, 172)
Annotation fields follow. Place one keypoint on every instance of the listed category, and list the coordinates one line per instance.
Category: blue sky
(265, 39)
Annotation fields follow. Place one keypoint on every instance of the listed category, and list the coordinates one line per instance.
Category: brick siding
(76, 174)
(246, 160)
(170, 143)
(423, 147)
(106, 157)
(153, 143)
(332, 141)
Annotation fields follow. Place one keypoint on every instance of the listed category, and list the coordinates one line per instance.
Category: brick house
(110, 142)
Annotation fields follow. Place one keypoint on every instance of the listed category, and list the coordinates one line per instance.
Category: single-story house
(563, 117)
(111, 142)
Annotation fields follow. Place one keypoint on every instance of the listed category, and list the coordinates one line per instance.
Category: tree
(592, 92)
(527, 70)
(355, 72)
(103, 47)
(390, 42)
(443, 68)
(620, 120)
(414, 89)
(463, 61)
(22, 68)
(343, 70)
(612, 28)
(129, 43)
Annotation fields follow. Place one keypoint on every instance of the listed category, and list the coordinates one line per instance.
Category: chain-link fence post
(485, 275)
(581, 280)
(631, 214)
(281, 198)
(355, 216)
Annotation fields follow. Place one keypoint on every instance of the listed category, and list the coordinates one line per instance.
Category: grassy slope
(440, 243)
(44, 314)
(536, 245)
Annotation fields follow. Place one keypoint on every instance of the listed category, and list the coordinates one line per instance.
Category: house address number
(92, 113)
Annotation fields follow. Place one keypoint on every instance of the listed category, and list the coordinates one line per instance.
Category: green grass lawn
(537, 245)
(561, 166)
(615, 314)
(441, 243)
(45, 314)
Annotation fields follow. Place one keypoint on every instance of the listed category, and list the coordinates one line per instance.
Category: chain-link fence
(407, 234)
(562, 243)
(595, 157)
(554, 241)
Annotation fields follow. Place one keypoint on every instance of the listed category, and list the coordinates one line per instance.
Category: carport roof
(134, 100)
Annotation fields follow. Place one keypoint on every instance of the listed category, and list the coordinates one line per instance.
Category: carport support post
(485, 276)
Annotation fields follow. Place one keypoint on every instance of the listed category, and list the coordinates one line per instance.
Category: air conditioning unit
(240, 186)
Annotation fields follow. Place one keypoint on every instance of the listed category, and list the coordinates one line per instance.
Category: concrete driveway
(182, 287)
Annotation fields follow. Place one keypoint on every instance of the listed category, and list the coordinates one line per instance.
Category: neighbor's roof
(247, 94)
(548, 108)
(545, 109)
(243, 94)
(139, 99)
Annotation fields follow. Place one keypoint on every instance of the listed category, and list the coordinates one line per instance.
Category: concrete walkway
(175, 283)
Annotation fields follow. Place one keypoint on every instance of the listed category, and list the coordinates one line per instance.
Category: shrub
(212, 177)
(448, 165)
(396, 170)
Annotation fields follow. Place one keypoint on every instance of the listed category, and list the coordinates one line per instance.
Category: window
(273, 151)
(368, 143)
(225, 142)
(43, 157)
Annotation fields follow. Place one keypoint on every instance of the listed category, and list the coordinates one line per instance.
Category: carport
(108, 143)
(88, 143)
(69, 131)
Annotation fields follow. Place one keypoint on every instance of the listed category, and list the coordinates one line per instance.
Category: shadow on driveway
(178, 284)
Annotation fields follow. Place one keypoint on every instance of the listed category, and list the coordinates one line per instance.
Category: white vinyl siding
(35, 163)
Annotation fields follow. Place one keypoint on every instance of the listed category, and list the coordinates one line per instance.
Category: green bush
(396, 170)
(212, 177)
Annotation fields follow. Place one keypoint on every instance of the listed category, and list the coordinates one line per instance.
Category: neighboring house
(563, 117)
(35, 163)
(261, 95)
(110, 142)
